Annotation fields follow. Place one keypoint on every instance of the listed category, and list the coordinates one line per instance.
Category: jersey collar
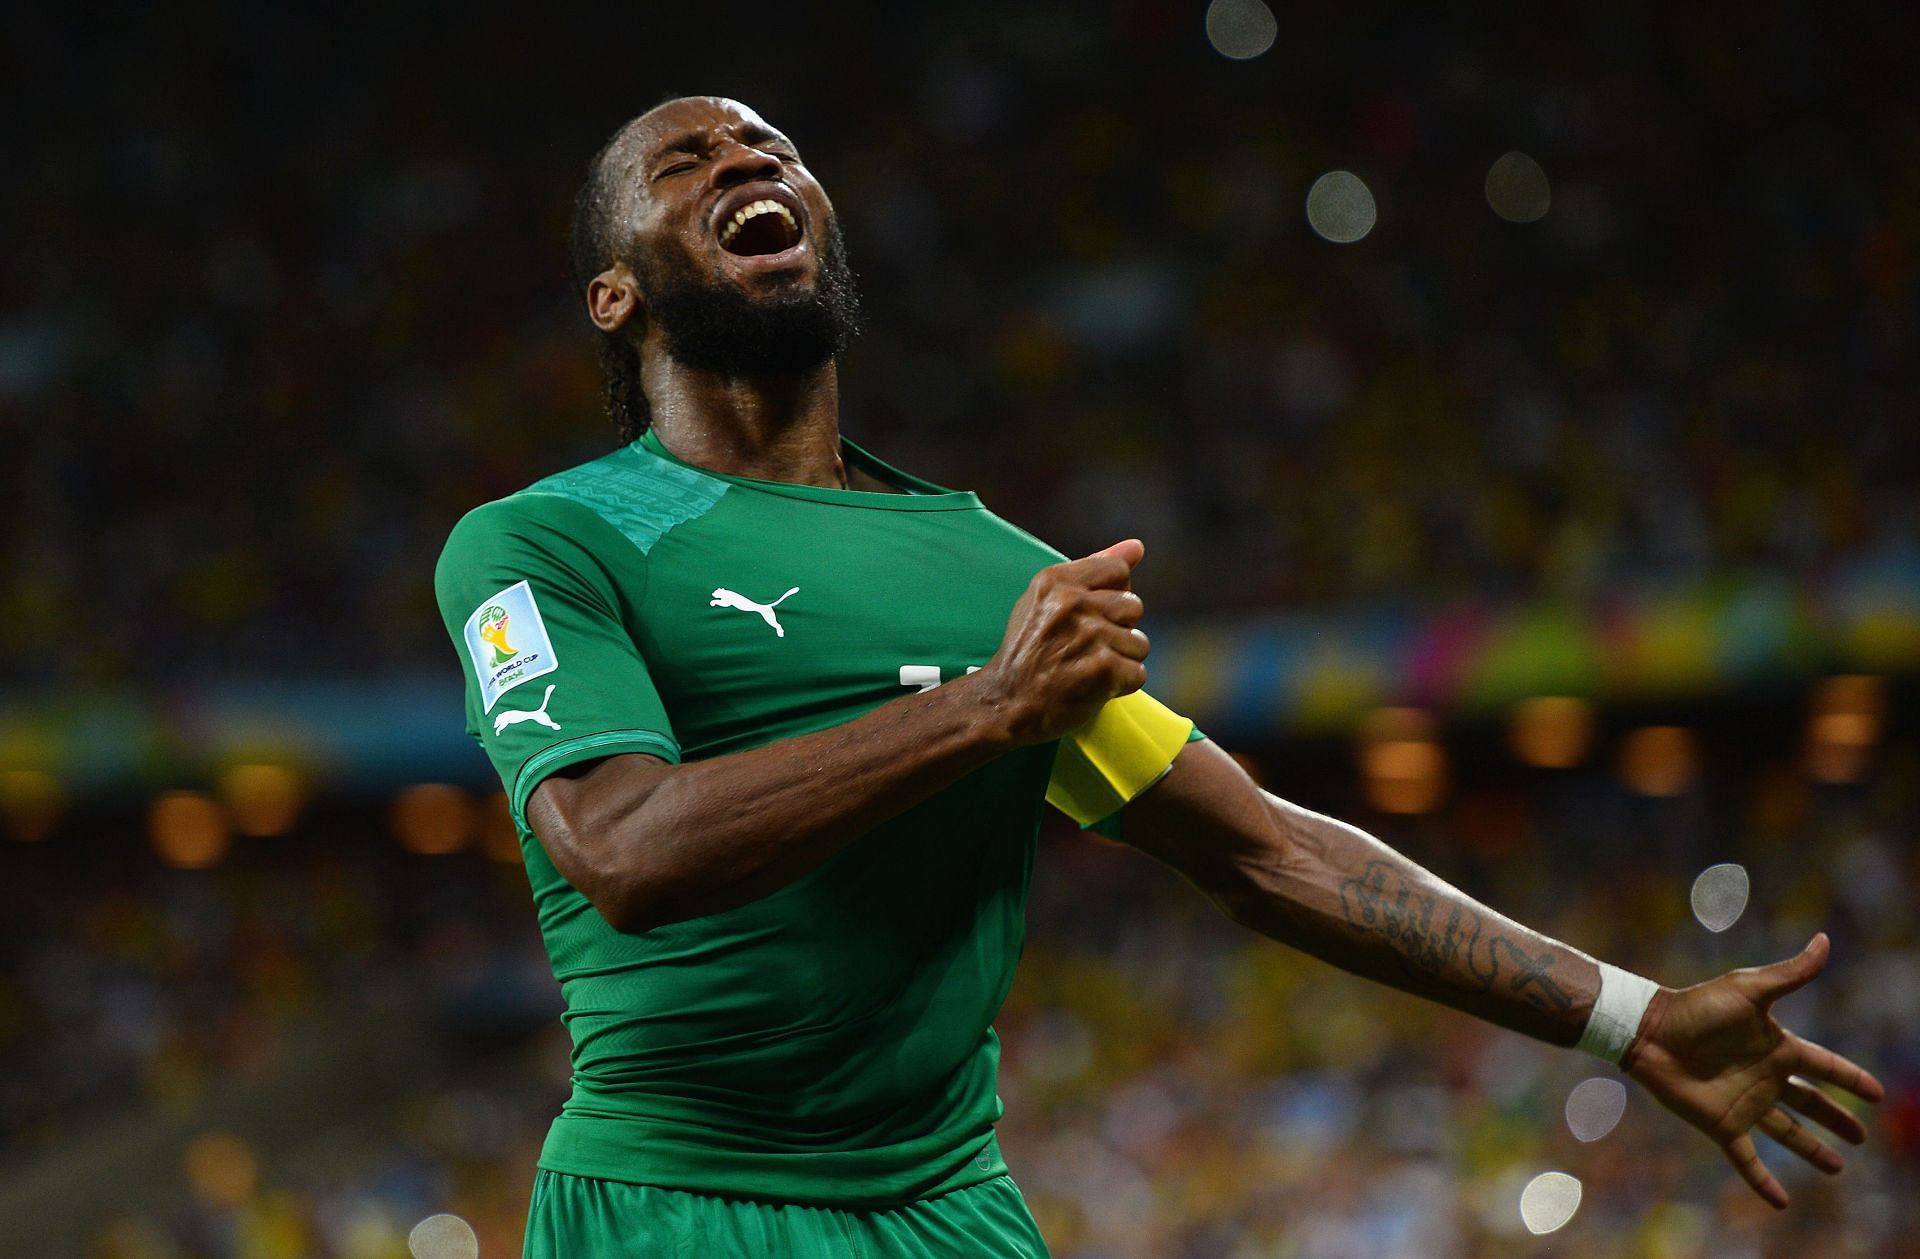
(920, 495)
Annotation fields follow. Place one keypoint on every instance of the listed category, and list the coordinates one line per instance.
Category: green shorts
(576, 1217)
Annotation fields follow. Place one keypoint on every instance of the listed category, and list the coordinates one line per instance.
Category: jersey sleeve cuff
(587, 747)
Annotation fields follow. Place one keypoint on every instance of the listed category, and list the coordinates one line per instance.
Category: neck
(768, 428)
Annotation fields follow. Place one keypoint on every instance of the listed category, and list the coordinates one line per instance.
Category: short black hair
(593, 245)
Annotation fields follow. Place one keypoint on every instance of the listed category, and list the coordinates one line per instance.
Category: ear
(613, 297)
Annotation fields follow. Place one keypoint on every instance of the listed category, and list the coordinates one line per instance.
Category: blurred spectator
(287, 298)
(1174, 1086)
(283, 313)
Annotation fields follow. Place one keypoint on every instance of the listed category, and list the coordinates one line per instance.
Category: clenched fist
(1072, 644)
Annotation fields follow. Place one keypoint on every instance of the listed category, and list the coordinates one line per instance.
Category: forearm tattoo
(1458, 949)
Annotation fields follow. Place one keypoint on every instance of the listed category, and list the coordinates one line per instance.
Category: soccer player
(798, 713)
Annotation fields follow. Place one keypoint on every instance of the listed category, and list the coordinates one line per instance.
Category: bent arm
(1333, 891)
(651, 843)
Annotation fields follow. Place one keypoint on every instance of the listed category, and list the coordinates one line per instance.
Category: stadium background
(283, 297)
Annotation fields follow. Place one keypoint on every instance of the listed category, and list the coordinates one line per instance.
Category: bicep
(1205, 817)
(533, 596)
(576, 811)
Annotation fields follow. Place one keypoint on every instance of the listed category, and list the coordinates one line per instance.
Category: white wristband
(1617, 1011)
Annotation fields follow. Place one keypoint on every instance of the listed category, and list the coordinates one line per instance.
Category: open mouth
(760, 227)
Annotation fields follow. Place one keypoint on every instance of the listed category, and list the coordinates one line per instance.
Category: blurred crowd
(126, 987)
(289, 300)
(1175, 1088)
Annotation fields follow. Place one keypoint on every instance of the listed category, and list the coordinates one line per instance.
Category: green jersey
(830, 1043)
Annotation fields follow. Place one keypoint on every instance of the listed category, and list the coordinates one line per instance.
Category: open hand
(1714, 1055)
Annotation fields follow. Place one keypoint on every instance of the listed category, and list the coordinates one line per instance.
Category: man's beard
(711, 325)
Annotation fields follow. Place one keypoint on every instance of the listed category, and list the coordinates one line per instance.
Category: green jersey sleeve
(545, 635)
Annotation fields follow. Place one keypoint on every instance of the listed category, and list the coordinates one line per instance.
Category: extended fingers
(1746, 1161)
(1789, 1132)
(1824, 1111)
(1776, 981)
(1820, 1063)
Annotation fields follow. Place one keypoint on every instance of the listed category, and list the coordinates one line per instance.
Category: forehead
(666, 124)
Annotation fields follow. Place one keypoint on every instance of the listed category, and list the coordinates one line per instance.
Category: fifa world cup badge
(507, 643)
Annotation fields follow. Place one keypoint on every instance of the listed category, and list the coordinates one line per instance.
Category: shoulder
(588, 522)
(537, 529)
(509, 525)
(630, 489)
(639, 494)
(1017, 537)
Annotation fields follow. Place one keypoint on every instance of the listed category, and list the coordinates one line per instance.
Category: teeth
(753, 211)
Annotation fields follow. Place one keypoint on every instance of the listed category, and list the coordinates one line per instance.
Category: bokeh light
(189, 829)
(1634, 438)
(1549, 1201)
(33, 802)
(1340, 207)
(1594, 1107)
(262, 800)
(1720, 896)
(221, 1168)
(433, 819)
(443, 1236)
(1851, 693)
(1517, 189)
(1845, 724)
(1660, 760)
(1402, 765)
(1552, 731)
(1240, 29)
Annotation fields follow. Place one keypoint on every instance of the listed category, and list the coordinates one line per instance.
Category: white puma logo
(724, 598)
(510, 715)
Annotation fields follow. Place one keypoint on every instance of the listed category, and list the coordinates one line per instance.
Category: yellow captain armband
(1115, 757)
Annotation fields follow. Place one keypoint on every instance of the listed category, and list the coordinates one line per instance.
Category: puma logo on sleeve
(724, 598)
(508, 716)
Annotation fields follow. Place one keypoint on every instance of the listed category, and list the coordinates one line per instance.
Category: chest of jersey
(771, 616)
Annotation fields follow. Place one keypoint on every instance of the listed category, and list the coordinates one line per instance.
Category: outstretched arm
(1713, 1054)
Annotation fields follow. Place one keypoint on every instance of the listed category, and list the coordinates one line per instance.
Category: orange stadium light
(33, 802)
(433, 819)
(1660, 761)
(1848, 716)
(189, 829)
(1403, 766)
(1552, 731)
(263, 800)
